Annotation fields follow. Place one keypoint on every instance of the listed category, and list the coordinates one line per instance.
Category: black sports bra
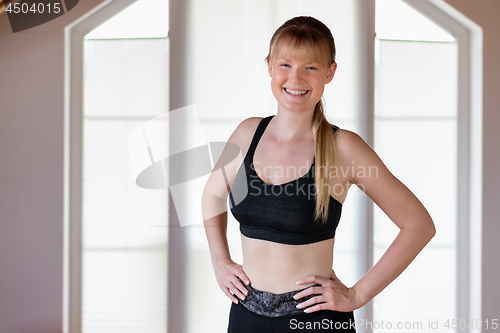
(282, 213)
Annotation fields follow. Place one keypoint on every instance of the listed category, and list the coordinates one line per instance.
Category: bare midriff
(275, 267)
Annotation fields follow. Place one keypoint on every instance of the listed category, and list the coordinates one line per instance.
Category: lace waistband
(273, 305)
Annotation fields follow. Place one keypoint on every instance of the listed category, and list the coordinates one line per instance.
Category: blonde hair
(305, 34)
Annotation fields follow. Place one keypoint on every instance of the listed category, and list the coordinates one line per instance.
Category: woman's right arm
(214, 209)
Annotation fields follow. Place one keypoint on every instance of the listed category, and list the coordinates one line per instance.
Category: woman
(287, 194)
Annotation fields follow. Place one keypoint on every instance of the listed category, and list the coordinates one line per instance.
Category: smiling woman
(250, 34)
(288, 238)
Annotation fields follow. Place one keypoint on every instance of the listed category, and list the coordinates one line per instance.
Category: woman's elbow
(429, 231)
(423, 229)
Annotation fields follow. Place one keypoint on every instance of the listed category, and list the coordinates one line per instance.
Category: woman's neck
(290, 126)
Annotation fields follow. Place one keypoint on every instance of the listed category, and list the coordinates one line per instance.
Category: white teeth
(295, 92)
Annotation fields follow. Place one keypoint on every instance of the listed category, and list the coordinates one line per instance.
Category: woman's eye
(311, 67)
(285, 65)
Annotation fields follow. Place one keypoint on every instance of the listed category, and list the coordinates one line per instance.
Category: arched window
(426, 127)
(117, 256)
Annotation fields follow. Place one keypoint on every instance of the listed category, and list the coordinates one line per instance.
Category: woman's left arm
(400, 205)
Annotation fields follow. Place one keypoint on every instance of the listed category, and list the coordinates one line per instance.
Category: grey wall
(31, 168)
(485, 13)
(31, 174)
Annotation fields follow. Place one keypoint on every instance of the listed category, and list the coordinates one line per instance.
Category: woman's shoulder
(244, 132)
(349, 144)
(249, 124)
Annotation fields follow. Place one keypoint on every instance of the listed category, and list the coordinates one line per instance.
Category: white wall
(31, 168)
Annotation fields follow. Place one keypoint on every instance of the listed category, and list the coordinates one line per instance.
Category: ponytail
(326, 160)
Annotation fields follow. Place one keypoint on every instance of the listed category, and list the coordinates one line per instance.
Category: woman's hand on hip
(228, 275)
(331, 295)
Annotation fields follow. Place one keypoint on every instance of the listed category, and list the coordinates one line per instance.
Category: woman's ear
(269, 67)
(331, 72)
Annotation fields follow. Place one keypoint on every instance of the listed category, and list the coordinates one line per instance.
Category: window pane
(398, 21)
(422, 154)
(417, 79)
(415, 135)
(126, 77)
(426, 164)
(124, 251)
(142, 19)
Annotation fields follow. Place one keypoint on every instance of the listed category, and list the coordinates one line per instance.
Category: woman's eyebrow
(307, 63)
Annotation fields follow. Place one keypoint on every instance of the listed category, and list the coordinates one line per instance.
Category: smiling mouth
(296, 92)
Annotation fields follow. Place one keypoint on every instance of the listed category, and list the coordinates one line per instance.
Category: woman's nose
(296, 75)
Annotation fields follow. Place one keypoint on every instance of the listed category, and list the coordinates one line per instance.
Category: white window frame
(73, 158)
(469, 38)
(469, 196)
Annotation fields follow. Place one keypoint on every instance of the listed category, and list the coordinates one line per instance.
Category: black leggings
(242, 320)
(264, 312)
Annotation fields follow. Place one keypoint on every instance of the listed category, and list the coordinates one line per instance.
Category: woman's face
(298, 79)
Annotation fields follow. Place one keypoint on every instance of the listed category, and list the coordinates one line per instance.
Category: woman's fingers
(325, 299)
(307, 292)
(311, 301)
(243, 277)
(238, 288)
(317, 307)
(313, 279)
(231, 282)
(232, 291)
(229, 294)
(331, 295)
(237, 279)
(317, 279)
(326, 296)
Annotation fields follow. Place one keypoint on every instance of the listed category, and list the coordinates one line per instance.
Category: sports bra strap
(258, 134)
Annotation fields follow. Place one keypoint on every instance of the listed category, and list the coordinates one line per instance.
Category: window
(124, 242)
(416, 136)
(123, 227)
